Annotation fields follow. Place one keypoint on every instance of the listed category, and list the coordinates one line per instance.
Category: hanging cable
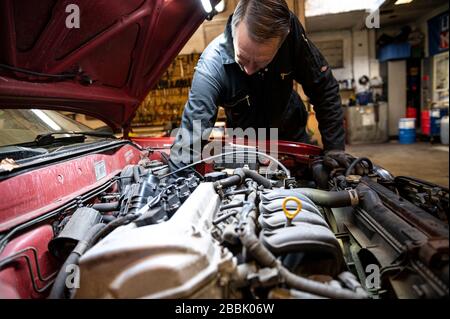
(288, 173)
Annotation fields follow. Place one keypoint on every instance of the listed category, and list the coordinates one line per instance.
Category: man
(250, 69)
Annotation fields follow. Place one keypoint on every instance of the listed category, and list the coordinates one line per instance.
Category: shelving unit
(164, 105)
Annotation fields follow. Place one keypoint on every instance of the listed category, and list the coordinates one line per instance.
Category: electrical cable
(24, 71)
(288, 173)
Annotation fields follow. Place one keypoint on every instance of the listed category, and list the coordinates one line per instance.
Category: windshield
(22, 126)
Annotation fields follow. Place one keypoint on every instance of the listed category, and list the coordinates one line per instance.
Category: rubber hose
(257, 178)
(253, 245)
(108, 218)
(106, 207)
(327, 199)
(59, 286)
(317, 288)
(240, 174)
(320, 175)
(228, 182)
(113, 225)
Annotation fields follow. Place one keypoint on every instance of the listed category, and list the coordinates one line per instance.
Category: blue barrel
(407, 131)
(436, 115)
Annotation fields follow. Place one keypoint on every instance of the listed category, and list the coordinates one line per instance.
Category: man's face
(253, 56)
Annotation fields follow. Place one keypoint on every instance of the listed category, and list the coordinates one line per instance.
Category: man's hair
(265, 19)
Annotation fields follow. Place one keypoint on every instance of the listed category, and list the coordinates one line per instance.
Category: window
(333, 51)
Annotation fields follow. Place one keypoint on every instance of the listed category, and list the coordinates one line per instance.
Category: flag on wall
(438, 33)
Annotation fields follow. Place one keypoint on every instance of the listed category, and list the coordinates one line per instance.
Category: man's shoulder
(218, 51)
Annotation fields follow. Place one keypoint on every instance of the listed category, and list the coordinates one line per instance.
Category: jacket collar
(226, 45)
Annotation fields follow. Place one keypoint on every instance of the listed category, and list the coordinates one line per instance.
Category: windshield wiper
(49, 138)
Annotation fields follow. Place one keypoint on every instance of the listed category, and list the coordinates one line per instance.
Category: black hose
(113, 225)
(356, 162)
(320, 175)
(228, 182)
(108, 218)
(239, 176)
(317, 288)
(329, 199)
(263, 256)
(257, 178)
(106, 207)
(59, 289)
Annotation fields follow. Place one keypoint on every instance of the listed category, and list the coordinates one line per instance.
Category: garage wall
(359, 52)
(346, 36)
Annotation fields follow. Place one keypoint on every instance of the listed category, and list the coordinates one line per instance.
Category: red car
(86, 215)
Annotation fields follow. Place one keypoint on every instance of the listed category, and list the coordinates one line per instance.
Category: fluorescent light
(326, 7)
(47, 120)
(398, 2)
(220, 6)
(207, 6)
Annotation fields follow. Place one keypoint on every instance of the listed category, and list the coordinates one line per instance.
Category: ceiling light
(326, 7)
(207, 6)
(399, 2)
(220, 6)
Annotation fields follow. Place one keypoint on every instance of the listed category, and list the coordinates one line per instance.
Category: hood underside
(104, 68)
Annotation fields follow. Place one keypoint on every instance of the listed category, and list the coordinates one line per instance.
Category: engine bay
(247, 232)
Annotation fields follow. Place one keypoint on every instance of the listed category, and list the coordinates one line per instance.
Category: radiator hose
(321, 198)
(263, 256)
(331, 199)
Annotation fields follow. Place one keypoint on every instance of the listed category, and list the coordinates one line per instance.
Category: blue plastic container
(407, 131)
(435, 118)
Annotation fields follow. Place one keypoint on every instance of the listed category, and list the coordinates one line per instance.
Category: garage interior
(103, 197)
(392, 69)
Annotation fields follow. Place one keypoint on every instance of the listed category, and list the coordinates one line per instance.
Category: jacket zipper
(242, 100)
(283, 75)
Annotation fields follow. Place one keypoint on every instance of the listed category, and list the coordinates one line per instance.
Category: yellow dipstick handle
(291, 215)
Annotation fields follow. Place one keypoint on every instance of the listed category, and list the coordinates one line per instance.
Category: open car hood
(109, 64)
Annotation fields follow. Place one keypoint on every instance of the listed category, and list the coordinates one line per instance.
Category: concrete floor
(421, 160)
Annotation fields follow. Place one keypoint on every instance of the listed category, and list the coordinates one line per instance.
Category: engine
(249, 233)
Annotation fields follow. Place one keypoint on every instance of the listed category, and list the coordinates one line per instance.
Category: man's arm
(201, 108)
(314, 74)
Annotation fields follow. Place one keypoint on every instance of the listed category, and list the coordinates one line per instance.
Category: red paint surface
(37, 192)
(15, 280)
(298, 151)
(123, 46)
(32, 194)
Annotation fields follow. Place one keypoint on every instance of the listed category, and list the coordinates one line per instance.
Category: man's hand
(338, 159)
